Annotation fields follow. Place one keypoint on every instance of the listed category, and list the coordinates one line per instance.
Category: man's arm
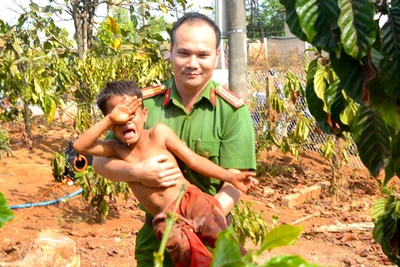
(154, 172)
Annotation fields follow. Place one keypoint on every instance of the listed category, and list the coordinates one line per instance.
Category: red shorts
(199, 221)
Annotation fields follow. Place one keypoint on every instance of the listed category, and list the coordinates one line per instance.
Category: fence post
(271, 84)
(266, 51)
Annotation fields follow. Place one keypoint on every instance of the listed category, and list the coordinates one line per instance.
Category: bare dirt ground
(27, 175)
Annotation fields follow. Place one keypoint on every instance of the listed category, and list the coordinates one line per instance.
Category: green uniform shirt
(214, 129)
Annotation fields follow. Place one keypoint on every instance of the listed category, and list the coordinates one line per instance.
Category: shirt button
(206, 153)
(184, 171)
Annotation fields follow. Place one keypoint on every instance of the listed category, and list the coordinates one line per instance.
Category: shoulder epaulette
(153, 91)
(230, 97)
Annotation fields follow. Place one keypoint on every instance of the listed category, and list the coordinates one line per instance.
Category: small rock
(270, 205)
(268, 191)
(364, 253)
(347, 262)
(51, 249)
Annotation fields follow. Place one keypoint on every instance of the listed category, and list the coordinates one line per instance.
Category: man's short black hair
(117, 88)
(192, 17)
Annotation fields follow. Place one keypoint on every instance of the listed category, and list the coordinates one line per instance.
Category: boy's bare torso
(154, 199)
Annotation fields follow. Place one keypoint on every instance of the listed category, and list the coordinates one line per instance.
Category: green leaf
(372, 138)
(338, 106)
(37, 87)
(47, 45)
(358, 29)
(51, 10)
(396, 153)
(6, 214)
(347, 116)
(14, 70)
(331, 11)
(376, 58)
(307, 11)
(326, 25)
(164, 8)
(390, 64)
(34, 7)
(302, 130)
(50, 108)
(389, 173)
(384, 104)
(320, 83)
(389, 228)
(17, 48)
(378, 233)
(292, 19)
(315, 104)
(283, 235)
(226, 251)
(350, 73)
(287, 261)
(378, 208)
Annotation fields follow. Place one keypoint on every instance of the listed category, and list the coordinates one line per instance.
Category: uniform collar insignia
(167, 97)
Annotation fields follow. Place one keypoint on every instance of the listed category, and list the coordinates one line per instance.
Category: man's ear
(145, 114)
(217, 57)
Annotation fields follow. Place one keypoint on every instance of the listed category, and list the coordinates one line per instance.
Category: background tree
(116, 37)
(265, 18)
(28, 52)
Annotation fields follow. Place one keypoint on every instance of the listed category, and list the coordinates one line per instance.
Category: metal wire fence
(262, 84)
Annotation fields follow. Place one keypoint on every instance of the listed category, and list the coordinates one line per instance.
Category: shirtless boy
(199, 214)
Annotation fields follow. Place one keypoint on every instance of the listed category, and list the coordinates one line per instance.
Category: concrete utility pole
(221, 18)
(237, 44)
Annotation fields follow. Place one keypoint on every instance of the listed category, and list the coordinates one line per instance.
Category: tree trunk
(82, 12)
(27, 121)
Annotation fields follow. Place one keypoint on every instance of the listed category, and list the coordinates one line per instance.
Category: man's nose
(193, 62)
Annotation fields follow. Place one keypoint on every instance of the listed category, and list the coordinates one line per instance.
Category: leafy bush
(227, 252)
(4, 143)
(58, 164)
(248, 223)
(96, 189)
(356, 88)
(386, 216)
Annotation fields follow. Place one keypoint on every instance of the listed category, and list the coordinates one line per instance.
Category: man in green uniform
(209, 119)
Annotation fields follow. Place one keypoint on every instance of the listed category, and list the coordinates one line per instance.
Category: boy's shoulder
(151, 91)
(229, 96)
(159, 127)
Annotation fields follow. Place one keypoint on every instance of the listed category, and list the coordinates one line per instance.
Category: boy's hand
(245, 181)
(125, 111)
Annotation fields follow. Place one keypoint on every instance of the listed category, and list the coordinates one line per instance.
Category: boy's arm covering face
(244, 181)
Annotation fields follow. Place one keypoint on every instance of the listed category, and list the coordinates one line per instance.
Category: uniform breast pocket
(207, 149)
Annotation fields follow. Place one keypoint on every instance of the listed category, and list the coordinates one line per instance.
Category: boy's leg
(228, 197)
(146, 244)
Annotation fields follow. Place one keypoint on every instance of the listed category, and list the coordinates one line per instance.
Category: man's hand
(157, 172)
(245, 181)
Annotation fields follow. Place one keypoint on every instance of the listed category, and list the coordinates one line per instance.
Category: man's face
(193, 56)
